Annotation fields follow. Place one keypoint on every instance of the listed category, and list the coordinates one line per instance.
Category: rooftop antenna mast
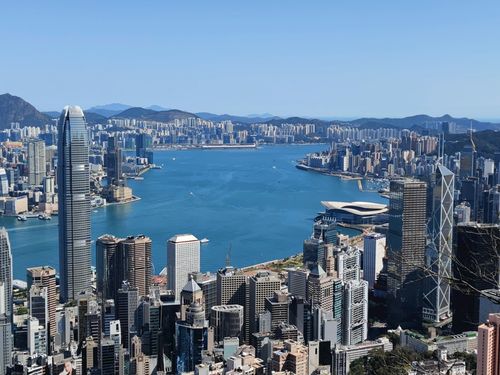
(228, 256)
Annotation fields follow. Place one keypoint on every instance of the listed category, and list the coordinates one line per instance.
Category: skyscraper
(114, 161)
(6, 343)
(74, 203)
(107, 279)
(46, 277)
(475, 269)
(183, 257)
(488, 346)
(36, 161)
(436, 300)
(373, 256)
(4, 183)
(134, 258)
(406, 244)
(261, 286)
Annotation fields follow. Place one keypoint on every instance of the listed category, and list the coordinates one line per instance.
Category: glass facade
(74, 203)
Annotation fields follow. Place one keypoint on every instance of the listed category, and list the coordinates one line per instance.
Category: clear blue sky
(310, 58)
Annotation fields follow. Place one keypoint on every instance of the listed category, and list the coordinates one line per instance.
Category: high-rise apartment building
(406, 244)
(36, 161)
(488, 346)
(183, 258)
(73, 182)
(45, 276)
(436, 301)
(373, 257)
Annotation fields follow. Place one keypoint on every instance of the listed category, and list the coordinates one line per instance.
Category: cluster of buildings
(433, 260)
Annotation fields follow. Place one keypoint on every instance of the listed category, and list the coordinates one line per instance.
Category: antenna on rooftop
(228, 256)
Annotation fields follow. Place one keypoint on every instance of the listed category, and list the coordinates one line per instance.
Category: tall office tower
(475, 268)
(45, 276)
(126, 306)
(5, 332)
(355, 314)
(406, 245)
(36, 162)
(183, 257)
(114, 162)
(468, 158)
(5, 301)
(107, 278)
(134, 260)
(227, 321)
(109, 315)
(107, 356)
(149, 324)
(462, 213)
(278, 306)
(232, 289)
(37, 337)
(208, 284)
(491, 205)
(488, 346)
(143, 142)
(347, 263)
(261, 286)
(470, 192)
(73, 182)
(320, 289)
(326, 231)
(6, 271)
(436, 302)
(313, 252)
(39, 305)
(4, 183)
(297, 282)
(191, 338)
(373, 257)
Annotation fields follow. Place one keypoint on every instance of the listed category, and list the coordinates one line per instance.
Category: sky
(307, 58)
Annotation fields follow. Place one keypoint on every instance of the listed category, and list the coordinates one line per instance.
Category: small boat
(204, 240)
(22, 218)
(44, 217)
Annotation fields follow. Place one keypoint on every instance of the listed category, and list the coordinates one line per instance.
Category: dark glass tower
(74, 203)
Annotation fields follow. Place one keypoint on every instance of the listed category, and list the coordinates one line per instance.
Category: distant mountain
(157, 108)
(151, 115)
(241, 119)
(487, 142)
(15, 109)
(108, 110)
(94, 118)
(52, 114)
(421, 120)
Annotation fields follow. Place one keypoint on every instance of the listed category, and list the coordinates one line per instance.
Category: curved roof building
(355, 212)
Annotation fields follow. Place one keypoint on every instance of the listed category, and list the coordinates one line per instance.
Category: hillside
(251, 119)
(487, 142)
(151, 115)
(15, 109)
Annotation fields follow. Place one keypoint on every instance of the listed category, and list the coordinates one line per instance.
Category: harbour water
(254, 201)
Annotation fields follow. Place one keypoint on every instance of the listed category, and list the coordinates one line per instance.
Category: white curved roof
(357, 208)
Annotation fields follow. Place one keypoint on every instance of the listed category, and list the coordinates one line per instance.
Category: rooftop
(183, 238)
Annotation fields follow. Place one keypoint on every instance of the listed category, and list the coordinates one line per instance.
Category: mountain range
(15, 109)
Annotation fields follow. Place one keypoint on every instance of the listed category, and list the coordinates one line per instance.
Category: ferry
(154, 166)
(22, 218)
(204, 240)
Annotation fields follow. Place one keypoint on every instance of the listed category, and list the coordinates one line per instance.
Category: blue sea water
(255, 201)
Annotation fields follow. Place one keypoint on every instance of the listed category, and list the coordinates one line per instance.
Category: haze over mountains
(15, 109)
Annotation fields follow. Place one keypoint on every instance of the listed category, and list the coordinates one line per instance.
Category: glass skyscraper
(74, 203)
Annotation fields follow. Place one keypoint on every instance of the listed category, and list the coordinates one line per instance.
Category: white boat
(204, 240)
(22, 218)
(44, 217)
